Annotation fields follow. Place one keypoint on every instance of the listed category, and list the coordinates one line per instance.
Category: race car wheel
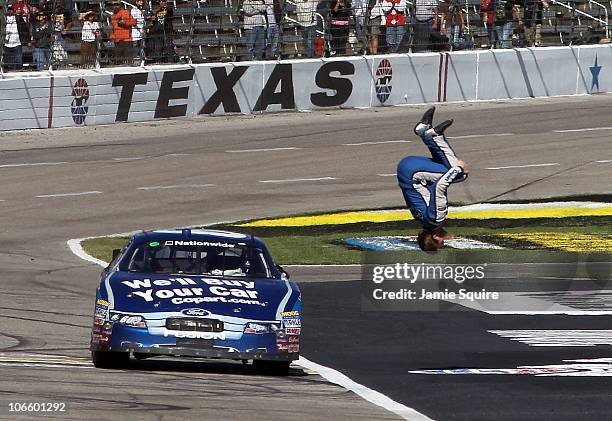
(276, 368)
(106, 359)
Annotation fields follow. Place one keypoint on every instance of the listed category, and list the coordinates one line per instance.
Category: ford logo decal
(195, 312)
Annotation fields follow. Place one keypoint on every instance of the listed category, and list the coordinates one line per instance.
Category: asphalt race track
(74, 183)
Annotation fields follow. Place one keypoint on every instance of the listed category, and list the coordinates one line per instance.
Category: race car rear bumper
(207, 353)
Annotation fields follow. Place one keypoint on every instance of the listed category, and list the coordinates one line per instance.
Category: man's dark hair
(427, 242)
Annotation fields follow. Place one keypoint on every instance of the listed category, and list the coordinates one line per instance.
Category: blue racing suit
(424, 180)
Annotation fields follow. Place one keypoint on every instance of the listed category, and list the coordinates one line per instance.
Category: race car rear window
(235, 260)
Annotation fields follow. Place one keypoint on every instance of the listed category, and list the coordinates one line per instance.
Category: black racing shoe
(440, 128)
(425, 123)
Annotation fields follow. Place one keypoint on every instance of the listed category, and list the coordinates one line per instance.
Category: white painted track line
(588, 129)
(553, 337)
(549, 164)
(387, 175)
(470, 136)
(176, 186)
(604, 161)
(295, 180)
(84, 193)
(366, 393)
(130, 158)
(376, 142)
(32, 164)
(75, 247)
(263, 150)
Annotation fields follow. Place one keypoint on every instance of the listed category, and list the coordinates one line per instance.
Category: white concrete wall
(42, 100)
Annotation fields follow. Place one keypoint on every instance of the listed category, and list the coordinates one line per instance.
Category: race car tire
(142, 356)
(276, 368)
(106, 359)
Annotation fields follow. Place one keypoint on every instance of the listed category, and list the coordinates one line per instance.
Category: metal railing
(604, 22)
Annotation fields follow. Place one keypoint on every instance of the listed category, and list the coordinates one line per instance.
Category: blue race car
(196, 293)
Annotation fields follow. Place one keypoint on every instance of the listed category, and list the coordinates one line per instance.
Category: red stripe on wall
(50, 110)
(447, 57)
(440, 78)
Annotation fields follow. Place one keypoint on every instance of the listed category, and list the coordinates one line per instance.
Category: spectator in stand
(339, 26)
(395, 19)
(375, 23)
(451, 22)
(122, 23)
(160, 44)
(504, 12)
(533, 21)
(16, 33)
(273, 18)
(62, 23)
(138, 30)
(46, 6)
(306, 17)
(90, 33)
(439, 36)
(360, 8)
(255, 28)
(423, 24)
(69, 7)
(25, 10)
(488, 16)
(41, 40)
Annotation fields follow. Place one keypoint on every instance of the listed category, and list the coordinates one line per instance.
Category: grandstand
(212, 30)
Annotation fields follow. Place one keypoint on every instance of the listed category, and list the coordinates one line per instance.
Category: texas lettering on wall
(332, 80)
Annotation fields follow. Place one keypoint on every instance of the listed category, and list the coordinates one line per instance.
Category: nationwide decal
(384, 74)
(596, 367)
(196, 290)
(78, 107)
(198, 243)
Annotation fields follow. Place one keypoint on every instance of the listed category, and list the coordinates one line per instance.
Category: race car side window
(137, 262)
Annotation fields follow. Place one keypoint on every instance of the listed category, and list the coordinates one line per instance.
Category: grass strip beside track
(321, 244)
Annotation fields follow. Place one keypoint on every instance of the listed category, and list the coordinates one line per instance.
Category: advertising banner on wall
(106, 96)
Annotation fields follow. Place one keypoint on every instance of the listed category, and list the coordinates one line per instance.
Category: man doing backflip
(424, 181)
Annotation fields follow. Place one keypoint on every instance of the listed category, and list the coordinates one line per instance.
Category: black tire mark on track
(47, 321)
(57, 313)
